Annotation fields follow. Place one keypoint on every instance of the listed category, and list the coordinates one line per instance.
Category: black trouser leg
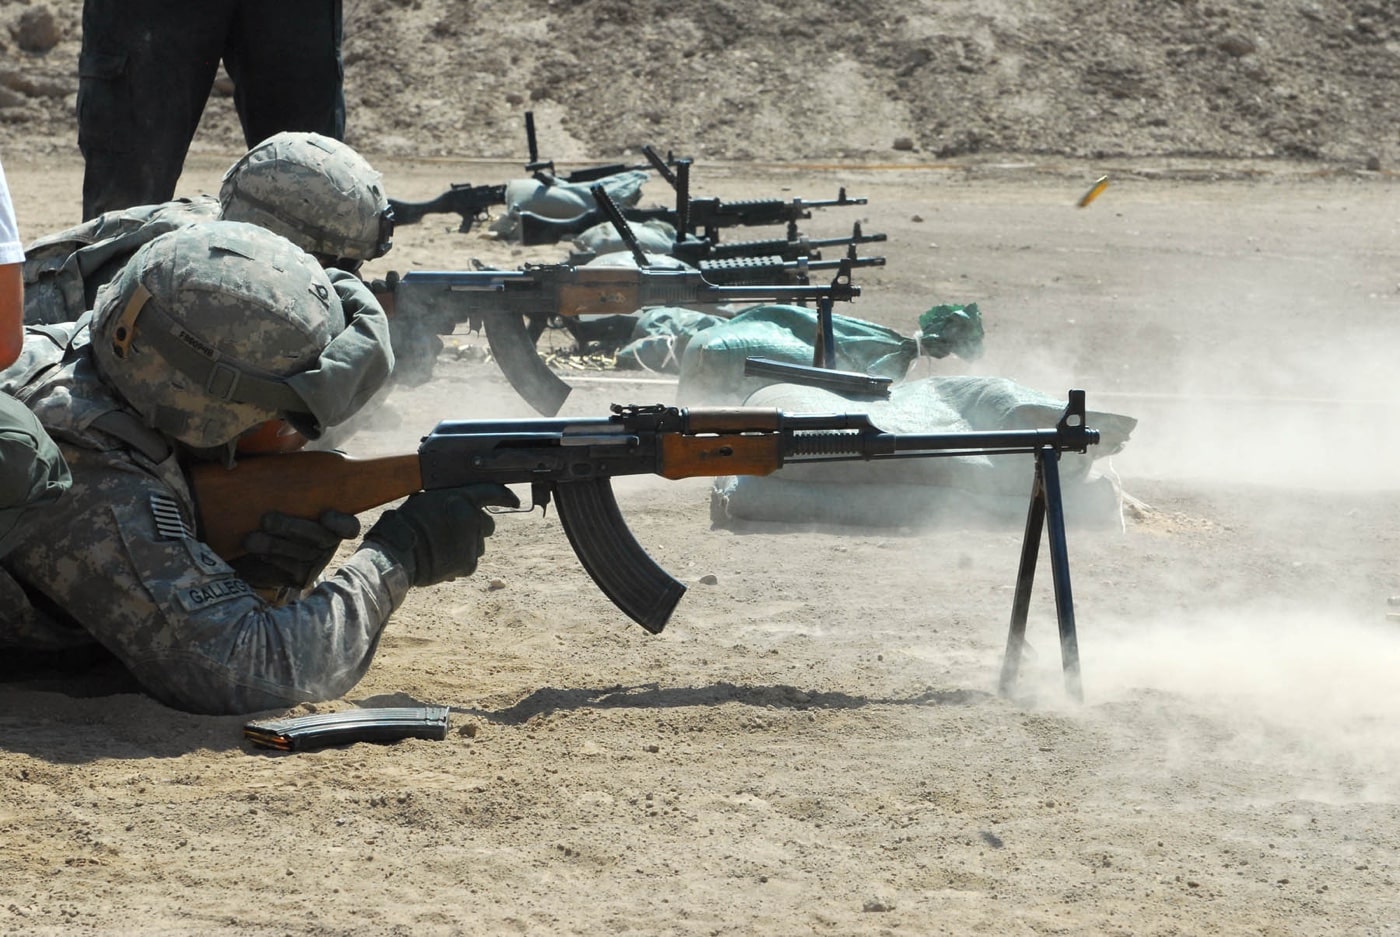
(144, 76)
(284, 59)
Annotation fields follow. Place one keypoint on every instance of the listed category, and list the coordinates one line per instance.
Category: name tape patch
(211, 593)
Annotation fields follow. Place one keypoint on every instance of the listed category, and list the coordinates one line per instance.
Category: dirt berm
(805, 79)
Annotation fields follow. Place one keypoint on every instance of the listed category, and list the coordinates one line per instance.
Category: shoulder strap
(129, 429)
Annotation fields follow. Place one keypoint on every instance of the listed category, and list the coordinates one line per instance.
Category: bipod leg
(1025, 579)
(1049, 461)
(1045, 503)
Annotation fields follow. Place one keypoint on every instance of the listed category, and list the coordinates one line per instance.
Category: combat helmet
(315, 191)
(217, 327)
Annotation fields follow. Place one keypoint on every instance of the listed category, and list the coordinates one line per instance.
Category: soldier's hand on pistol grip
(384, 290)
(292, 551)
(439, 535)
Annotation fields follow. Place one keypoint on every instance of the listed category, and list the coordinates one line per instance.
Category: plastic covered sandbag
(661, 336)
(624, 258)
(654, 237)
(712, 368)
(921, 491)
(564, 200)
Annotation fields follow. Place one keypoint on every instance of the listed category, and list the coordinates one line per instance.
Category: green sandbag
(952, 330)
(660, 337)
(712, 368)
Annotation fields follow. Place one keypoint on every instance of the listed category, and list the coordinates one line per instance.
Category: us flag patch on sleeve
(170, 523)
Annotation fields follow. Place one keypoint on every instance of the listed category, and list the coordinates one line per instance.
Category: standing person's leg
(144, 76)
(284, 59)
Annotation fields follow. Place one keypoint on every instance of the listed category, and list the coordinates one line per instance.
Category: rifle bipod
(1046, 505)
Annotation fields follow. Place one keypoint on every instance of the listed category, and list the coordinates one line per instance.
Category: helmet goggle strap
(352, 366)
(221, 377)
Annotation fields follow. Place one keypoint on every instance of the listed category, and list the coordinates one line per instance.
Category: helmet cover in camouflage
(203, 325)
(313, 190)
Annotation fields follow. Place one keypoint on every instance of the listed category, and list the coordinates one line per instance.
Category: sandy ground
(815, 744)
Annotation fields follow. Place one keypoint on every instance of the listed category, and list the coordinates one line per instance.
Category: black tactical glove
(290, 551)
(384, 291)
(439, 535)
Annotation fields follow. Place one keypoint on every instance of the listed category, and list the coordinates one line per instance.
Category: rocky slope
(813, 79)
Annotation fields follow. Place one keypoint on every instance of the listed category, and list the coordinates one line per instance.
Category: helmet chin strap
(226, 454)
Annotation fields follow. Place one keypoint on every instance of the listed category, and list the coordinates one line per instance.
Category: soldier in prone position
(208, 333)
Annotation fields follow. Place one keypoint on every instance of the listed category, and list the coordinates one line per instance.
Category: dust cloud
(1307, 691)
(1331, 445)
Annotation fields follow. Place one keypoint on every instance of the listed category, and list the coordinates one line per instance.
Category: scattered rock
(37, 30)
(709, 579)
(20, 114)
(903, 143)
(1236, 45)
(37, 85)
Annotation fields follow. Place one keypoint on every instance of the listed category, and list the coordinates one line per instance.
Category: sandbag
(911, 492)
(712, 368)
(654, 237)
(564, 200)
(951, 329)
(624, 258)
(660, 338)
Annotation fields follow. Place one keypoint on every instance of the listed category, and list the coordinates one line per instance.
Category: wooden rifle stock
(231, 502)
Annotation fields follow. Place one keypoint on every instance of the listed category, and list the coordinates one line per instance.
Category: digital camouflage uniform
(316, 192)
(63, 271)
(116, 563)
(32, 472)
